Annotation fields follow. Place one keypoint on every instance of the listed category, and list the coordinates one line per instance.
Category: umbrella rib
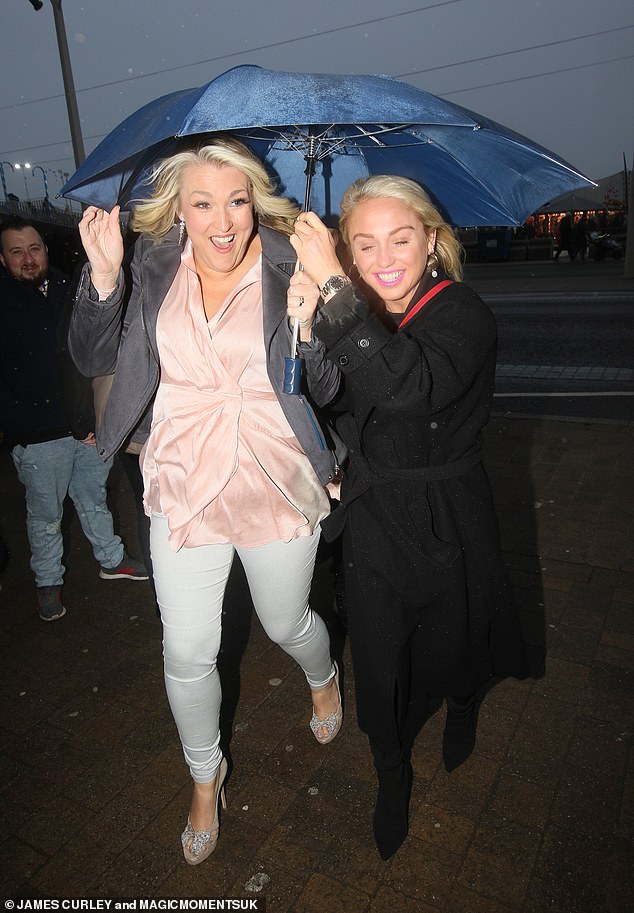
(333, 144)
(294, 138)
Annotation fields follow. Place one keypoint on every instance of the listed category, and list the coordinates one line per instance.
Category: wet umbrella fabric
(317, 133)
(477, 171)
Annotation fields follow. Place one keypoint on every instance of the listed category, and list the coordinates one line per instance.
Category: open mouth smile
(222, 242)
(389, 279)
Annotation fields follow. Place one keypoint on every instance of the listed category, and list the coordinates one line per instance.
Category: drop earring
(181, 232)
(432, 264)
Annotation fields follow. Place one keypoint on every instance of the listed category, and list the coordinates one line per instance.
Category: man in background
(50, 462)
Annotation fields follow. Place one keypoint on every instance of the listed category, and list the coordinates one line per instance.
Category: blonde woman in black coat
(429, 608)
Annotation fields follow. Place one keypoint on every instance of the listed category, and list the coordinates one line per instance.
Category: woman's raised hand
(301, 302)
(314, 245)
(101, 237)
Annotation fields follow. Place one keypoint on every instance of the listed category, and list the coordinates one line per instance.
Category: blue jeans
(49, 471)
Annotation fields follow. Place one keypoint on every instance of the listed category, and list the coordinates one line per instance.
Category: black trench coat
(430, 608)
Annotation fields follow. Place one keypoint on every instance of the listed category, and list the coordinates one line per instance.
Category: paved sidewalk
(541, 818)
(94, 792)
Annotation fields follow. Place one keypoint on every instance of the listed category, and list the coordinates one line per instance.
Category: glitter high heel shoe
(197, 845)
(332, 723)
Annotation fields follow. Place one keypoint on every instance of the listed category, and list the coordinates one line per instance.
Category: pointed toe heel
(325, 730)
(198, 845)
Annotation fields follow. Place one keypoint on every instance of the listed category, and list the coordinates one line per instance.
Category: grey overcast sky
(558, 71)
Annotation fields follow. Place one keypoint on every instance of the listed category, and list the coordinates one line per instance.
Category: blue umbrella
(319, 132)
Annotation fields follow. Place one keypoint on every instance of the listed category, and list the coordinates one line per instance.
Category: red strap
(423, 301)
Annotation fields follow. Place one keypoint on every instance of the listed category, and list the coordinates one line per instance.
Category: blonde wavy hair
(157, 215)
(449, 250)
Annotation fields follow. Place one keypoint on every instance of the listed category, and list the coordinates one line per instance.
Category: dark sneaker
(49, 603)
(128, 568)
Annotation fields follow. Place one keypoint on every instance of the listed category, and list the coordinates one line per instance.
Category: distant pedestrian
(564, 238)
(580, 238)
(50, 462)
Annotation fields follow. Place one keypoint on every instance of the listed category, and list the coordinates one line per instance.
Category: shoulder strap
(423, 301)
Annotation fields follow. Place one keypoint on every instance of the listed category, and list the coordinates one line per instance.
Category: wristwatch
(334, 284)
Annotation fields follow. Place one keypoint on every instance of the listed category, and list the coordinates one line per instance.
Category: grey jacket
(107, 337)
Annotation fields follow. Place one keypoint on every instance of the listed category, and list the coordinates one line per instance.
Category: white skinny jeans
(190, 587)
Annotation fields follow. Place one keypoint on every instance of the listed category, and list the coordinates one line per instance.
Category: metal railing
(43, 211)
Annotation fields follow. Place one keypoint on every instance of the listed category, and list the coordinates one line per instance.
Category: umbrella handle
(292, 376)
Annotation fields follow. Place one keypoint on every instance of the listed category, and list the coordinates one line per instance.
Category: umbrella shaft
(309, 158)
(310, 170)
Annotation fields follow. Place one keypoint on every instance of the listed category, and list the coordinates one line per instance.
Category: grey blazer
(108, 337)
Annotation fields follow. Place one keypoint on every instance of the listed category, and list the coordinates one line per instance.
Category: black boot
(459, 737)
(392, 804)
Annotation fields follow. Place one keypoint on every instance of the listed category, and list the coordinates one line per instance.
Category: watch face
(334, 284)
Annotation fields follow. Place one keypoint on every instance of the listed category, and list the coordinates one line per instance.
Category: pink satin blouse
(222, 463)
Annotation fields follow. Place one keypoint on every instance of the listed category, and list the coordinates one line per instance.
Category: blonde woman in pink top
(231, 464)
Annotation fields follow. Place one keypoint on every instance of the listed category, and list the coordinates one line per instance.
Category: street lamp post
(20, 166)
(47, 202)
(67, 74)
(4, 182)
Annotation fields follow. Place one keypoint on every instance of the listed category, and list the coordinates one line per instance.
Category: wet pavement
(94, 792)
(544, 279)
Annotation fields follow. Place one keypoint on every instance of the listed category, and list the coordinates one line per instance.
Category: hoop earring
(432, 265)
(181, 232)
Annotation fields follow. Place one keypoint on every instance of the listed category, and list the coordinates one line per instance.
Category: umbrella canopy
(573, 202)
(477, 171)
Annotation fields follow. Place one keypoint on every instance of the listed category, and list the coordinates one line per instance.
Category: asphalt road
(562, 331)
(566, 337)
(555, 274)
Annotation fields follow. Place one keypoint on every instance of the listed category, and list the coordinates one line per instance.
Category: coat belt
(362, 477)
